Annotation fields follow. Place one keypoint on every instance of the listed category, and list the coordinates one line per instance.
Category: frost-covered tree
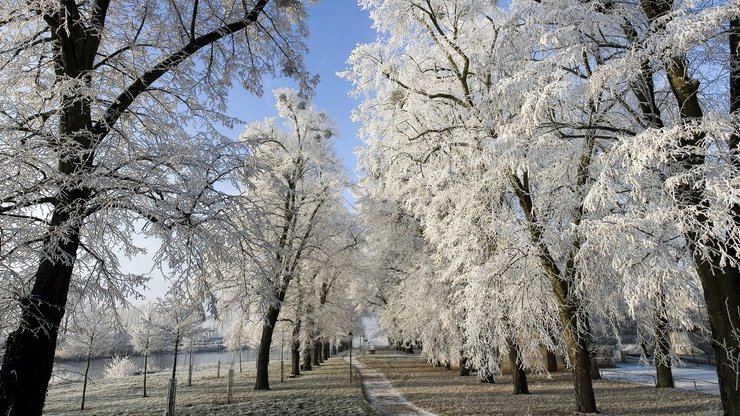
(473, 112)
(438, 111)
(298, 187)
(147, 334)
(687, 118)
(88, 334)
(180, 318)
(109, 115)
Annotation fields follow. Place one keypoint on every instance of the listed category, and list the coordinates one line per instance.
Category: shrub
(119, 367)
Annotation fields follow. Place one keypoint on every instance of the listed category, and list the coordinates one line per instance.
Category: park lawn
(323, 391)
(445, 393)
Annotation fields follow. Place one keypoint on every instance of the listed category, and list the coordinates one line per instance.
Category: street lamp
(350, 356)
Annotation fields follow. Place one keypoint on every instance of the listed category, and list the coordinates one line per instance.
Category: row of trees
(111, 119)
(305, 269)
(546, 172)
(93, 328)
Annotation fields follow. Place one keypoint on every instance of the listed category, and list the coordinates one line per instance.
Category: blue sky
(335, 26)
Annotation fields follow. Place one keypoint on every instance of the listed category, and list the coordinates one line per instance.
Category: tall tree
(299, 187)
(108, 112)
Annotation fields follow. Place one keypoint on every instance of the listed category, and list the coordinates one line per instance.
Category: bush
(119, 367)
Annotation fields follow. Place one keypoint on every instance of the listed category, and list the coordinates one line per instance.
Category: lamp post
(350, 356)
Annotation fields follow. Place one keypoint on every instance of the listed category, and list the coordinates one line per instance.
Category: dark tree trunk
(146, 359)
(662, 356)
(307, 353)
(552, 362)
(518, 375)
(316, 353)
(174, 359)
(722, 294)
(581, 361)
(327, 350)
(29, 350)
(448, 366)
(84, 383)
(464, 369)
(595, 373)
(263, 355)
(295, 359)
(295, 350)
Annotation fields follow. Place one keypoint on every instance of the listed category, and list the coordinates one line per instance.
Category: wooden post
(230, 386)
(170, 411)
(218, 369)
(190, 366)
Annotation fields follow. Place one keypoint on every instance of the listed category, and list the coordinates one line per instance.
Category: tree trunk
(581, 361)
(518, 375)
(190, 364)
(464, 370)
(174, 359)
(295, 359)
(662, 356)
(146, 359)
(295, 350)
(595, 373)
(316, 353)
(263, 355)
(84, 383)
(552, 362)
(722, 295)
(307, 353)
(29, 350)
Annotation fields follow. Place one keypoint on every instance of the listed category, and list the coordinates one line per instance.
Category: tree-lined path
(538, 184)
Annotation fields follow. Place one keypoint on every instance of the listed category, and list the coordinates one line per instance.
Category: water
(75, 370)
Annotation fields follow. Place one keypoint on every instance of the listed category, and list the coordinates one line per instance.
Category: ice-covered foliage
(120, 366)
(559, 167)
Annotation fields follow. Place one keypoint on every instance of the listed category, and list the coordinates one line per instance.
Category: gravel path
(382, 396)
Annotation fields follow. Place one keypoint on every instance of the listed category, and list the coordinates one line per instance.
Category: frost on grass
(445, 393)
(323, 391)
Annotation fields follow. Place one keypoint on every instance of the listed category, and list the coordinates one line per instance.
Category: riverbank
(443, 392)
(324, 391)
